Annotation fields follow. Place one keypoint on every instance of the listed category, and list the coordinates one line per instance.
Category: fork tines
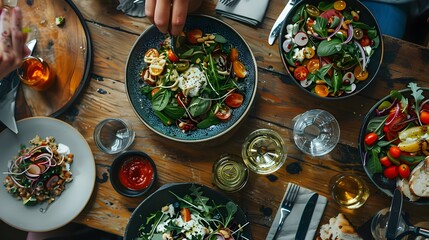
(291, 195)
(228, 3)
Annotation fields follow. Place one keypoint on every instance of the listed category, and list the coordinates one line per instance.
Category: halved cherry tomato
(223, 112)
(424, 117)
(157, 66)
(172, 56)
(147, 77)
(399, 121)
(234, 100)
(340, 5)
(150, 55)
(391, 172)
(395, 151)
(312, 10)
(404, 170)
(370, 138)
(239, 69)
(185, 214)
(154, 91)
(183, 100)
(233, 55)
(321, 90)
(365, 41)
(301, 73)
(385, 161)
(313, 65)
(194, 35)
(309, 52)
(360, 74)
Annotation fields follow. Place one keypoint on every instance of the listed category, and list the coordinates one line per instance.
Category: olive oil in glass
(349, 190)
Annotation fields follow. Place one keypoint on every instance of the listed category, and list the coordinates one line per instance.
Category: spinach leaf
(337, 80)
(375, 123)
(231, 209)
(146, 90)
(209, 121)
(361, 25)
(373, 164)
(320, 27)
(327, 48)
(299, 14)
(412, 159)
(199, 106)
(161, 99)
(325, 6)
(174, 112)
(219, 38)
(372, 33)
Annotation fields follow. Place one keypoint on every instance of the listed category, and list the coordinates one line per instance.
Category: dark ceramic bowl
(375, 60)
(385, 185)
(116, 166)
(151, 38)
(163, 196)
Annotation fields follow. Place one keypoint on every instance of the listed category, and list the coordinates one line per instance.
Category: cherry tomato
(424, 117)
(157, 66)
(395, 151)
(309, 52)
(360, 74)
(398, 123)
(185, 214)
(194, 35)
(404, 170)
(312, 10)
(365, 41)
(300, 73)
(223, 112)
(340, 5)
(154, 91)
(321, 90)
(183, 100)
(172, 56)
(234, 100)
(313, 65)
(385, 129)
(385, 161)
(150, 55)
(233, 55)
(370, 138)
(239, 69)
(147, 77)
(391, 172)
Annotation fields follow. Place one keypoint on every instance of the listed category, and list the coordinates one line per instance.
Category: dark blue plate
(152, 38)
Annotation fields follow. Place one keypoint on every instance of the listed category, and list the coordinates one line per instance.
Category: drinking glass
(264, 151)
(229, 173)
(316, 132)
(36, 73)
(349, 190)
(113, 135)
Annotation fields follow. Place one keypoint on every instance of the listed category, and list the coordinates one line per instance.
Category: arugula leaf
(320, 27)
(327, 48)
(418, 97)
(231, 209)
(374, 125)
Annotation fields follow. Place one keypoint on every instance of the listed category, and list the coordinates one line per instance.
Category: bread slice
(419, 180)
(338, 228)
(404, 186)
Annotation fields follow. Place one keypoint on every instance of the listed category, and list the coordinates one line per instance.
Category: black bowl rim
(362, 133)
(114, 180)
(225, 131)
(366, 82)
(176, 184)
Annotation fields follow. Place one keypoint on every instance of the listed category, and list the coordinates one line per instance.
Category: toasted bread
(404, 186)
(338, 228)
(419, 180)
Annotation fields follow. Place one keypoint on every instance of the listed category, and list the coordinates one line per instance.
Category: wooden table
(278, 100)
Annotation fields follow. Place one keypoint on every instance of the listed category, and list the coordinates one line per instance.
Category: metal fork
(229, 3)
(287, 206)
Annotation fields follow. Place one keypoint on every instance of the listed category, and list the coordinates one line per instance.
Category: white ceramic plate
(75, 196)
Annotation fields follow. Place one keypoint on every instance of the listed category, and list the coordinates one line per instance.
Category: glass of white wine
(349, 190)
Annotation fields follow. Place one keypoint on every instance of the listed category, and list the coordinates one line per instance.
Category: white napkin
(7, 103)
(132, 9)
(248, 11)
(292, 221)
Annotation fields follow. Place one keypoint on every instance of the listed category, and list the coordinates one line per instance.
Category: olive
(312, 10)
(357, 33)
(182, 65)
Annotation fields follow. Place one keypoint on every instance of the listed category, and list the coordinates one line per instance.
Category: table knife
(307, 214)
(275, 30)
(394, 214)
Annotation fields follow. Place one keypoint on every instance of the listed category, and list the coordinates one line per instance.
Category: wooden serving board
(66, 48)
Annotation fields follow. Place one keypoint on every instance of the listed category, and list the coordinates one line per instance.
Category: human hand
(12, 41)
(170, 15)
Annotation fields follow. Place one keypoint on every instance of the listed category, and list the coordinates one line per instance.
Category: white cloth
(7, 103)
(292, 221)
(248, 11)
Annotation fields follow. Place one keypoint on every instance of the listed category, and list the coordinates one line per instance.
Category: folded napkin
(248, 11)
(7, 101)
(292, 221)
(134, 8)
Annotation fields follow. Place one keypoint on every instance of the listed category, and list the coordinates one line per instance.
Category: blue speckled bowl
(151, 38)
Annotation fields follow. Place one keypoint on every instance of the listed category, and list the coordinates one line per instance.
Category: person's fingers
(16, 29)
(162, 15)
(5, 36)
(178, 16)
(150, 9)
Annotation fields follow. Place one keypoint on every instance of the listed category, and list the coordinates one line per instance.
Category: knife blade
(31, 44)
(307, 214)
(275, 30)
(394, 214)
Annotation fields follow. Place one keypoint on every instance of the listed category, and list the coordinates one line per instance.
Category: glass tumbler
(316, 132)
(36, 73)
(229, 173)
(264, 151)
(113, 135)
(349, 190)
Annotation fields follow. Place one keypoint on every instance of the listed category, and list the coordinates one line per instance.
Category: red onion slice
(349, 34)
(362, 53)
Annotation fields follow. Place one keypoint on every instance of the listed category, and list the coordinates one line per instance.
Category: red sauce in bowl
(136, 173)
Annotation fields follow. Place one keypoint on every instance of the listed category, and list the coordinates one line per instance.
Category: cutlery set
(229, 3)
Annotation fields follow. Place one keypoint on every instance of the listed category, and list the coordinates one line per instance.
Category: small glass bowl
(117, 171)
(113, 135)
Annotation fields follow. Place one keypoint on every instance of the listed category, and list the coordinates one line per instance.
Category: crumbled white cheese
(192, 81)
(63, 149)
(298, 54)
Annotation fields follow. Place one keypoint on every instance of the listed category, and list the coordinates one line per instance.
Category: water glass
(229, 173)
(264, 151)
(349, 190)
(316, 132)
(113, 135)
(379, 224)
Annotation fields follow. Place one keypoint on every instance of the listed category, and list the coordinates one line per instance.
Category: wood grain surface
(278, 100)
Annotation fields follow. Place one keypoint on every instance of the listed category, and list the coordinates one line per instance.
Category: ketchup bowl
(133, 173)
